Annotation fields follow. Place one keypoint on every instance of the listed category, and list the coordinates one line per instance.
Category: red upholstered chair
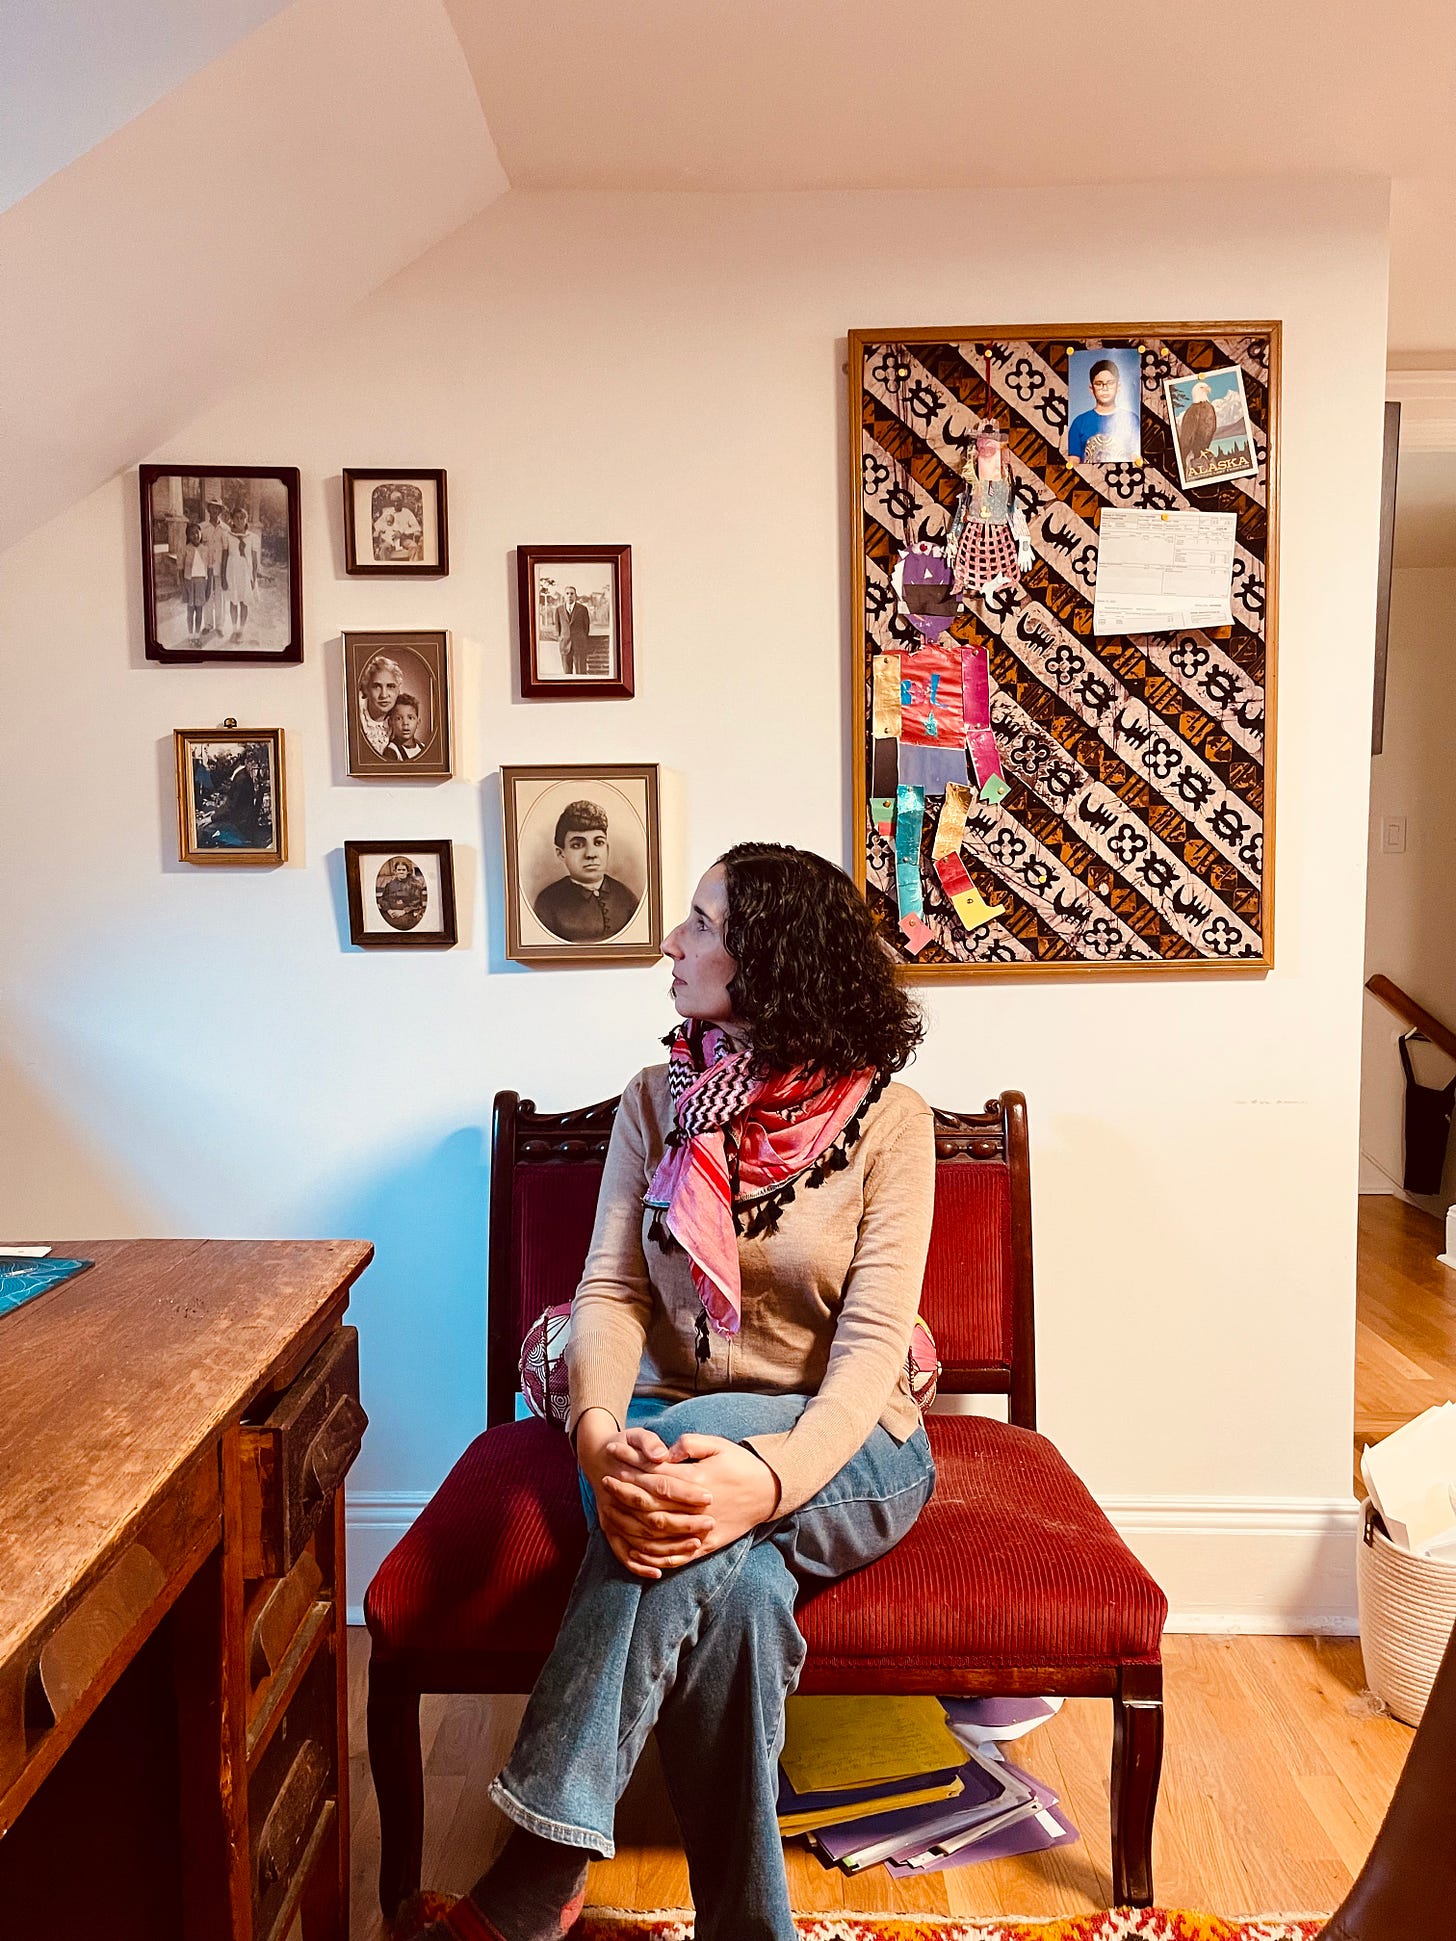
(1011, 1581)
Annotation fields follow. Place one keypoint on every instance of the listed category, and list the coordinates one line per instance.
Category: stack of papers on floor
(1411, 1477)
(913, 1783)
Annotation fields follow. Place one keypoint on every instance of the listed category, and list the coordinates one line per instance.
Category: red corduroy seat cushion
(487, 1565)
(1012, 1563)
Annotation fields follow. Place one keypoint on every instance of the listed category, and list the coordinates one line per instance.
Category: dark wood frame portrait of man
(392, 887)
(395, 523)
(222, 568)
(231, 802)
(583, 882)
(397, 722)
(574, 605)
(1064, 668)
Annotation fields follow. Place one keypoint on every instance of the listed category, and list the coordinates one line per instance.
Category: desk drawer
(297, 1456)
(291, 1792)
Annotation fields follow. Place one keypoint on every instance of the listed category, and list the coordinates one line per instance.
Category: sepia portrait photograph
(576, 622)
(397, 706)
(230, 806)
(395, 523)
(400, 893)
(583, 875)
(221, 577)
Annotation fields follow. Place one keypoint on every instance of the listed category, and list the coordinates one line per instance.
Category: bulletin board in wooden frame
(1117, 788)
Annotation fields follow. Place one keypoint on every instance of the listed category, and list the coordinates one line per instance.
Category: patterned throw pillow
(922, 1365)
(543, 1365)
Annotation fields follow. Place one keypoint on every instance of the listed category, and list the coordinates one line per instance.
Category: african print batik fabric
(1132, 831)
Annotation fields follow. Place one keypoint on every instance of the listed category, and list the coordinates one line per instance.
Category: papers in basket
(1410, 1477)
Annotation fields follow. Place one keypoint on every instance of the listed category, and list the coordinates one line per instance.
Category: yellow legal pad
(859, 1808)
(831, 1744)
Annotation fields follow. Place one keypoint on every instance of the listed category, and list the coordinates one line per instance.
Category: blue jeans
(707, 1654)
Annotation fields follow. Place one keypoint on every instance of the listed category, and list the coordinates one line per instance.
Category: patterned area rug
(1153, 1924)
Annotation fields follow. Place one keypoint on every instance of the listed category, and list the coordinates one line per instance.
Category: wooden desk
(174, 1430)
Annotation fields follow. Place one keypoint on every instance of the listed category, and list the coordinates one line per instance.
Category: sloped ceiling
(72, 75)
(839, 94)
(262, 197)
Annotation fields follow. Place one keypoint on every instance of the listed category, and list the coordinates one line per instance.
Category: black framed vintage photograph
(230, 795)
(576, 622)
(397, 706)
(583, 863)
(221, 568)
(401, 894)
(395, 523)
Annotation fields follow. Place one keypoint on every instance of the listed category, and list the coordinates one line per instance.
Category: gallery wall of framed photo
(202, 1047)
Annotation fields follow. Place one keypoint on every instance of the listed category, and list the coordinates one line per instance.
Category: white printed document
(1158, 571)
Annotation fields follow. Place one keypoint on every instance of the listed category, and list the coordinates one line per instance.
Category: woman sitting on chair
(739, 1395)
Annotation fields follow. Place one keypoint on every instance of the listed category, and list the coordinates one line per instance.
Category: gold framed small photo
(397, 706)
(230, 795)
(583, 863)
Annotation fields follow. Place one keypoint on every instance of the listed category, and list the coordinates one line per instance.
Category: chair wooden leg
(1137, 1762)
(399, 1782)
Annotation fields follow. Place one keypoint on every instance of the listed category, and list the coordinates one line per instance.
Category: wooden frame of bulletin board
(1117, 789)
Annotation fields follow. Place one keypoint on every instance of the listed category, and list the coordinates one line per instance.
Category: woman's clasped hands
(661, 1507)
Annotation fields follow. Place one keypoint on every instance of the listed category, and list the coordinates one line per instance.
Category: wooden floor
(1276, 1776)
(1405, 1345)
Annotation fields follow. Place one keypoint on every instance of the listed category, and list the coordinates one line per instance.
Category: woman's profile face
(702, 968)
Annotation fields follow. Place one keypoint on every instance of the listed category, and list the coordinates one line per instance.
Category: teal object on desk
(22, 1280)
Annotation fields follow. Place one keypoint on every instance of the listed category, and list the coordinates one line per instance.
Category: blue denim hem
(598, 1845)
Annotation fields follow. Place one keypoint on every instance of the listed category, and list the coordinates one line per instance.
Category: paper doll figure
(989, 544)
(922, 579)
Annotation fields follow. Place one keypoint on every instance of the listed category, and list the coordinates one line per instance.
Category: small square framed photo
(221, 572)
(583, 869)
(576, 622)
(230, 800)
(397, 706)
(395, 523)
(401, 894)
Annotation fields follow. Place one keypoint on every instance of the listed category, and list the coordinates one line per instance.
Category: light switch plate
(1392, 835)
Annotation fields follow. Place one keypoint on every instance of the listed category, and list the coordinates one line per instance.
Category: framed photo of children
(583, 869)
(221, 574)
(230, 801)
(576, 622)
(397, 706)
(395, 523)
(401, 894)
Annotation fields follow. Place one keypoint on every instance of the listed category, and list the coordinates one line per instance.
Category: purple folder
(918, 1824)
(1022, 1836)
(1027, 1836)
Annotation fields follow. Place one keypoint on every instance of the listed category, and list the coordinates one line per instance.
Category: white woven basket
(1407, 1611)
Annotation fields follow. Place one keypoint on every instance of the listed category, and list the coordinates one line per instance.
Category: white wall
(1411, 898)
(200, 1051)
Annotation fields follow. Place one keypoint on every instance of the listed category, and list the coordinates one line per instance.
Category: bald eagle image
(1197, 427)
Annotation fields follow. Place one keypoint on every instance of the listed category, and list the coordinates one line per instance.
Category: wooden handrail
(1414, 1014)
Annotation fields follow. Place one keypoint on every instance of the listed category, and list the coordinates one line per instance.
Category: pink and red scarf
(740, 1141)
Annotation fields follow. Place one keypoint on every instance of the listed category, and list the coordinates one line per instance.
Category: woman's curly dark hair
(814, 984)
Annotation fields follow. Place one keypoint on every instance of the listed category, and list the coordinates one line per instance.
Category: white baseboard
(376, 1519)
(1254, 1564)
(1283, 1565)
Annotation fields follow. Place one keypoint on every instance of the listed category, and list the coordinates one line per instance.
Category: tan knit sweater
(829, 1300)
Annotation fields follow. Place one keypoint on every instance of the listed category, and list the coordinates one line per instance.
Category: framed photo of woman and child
(221, 573)
(397, 706)
(583, 870)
